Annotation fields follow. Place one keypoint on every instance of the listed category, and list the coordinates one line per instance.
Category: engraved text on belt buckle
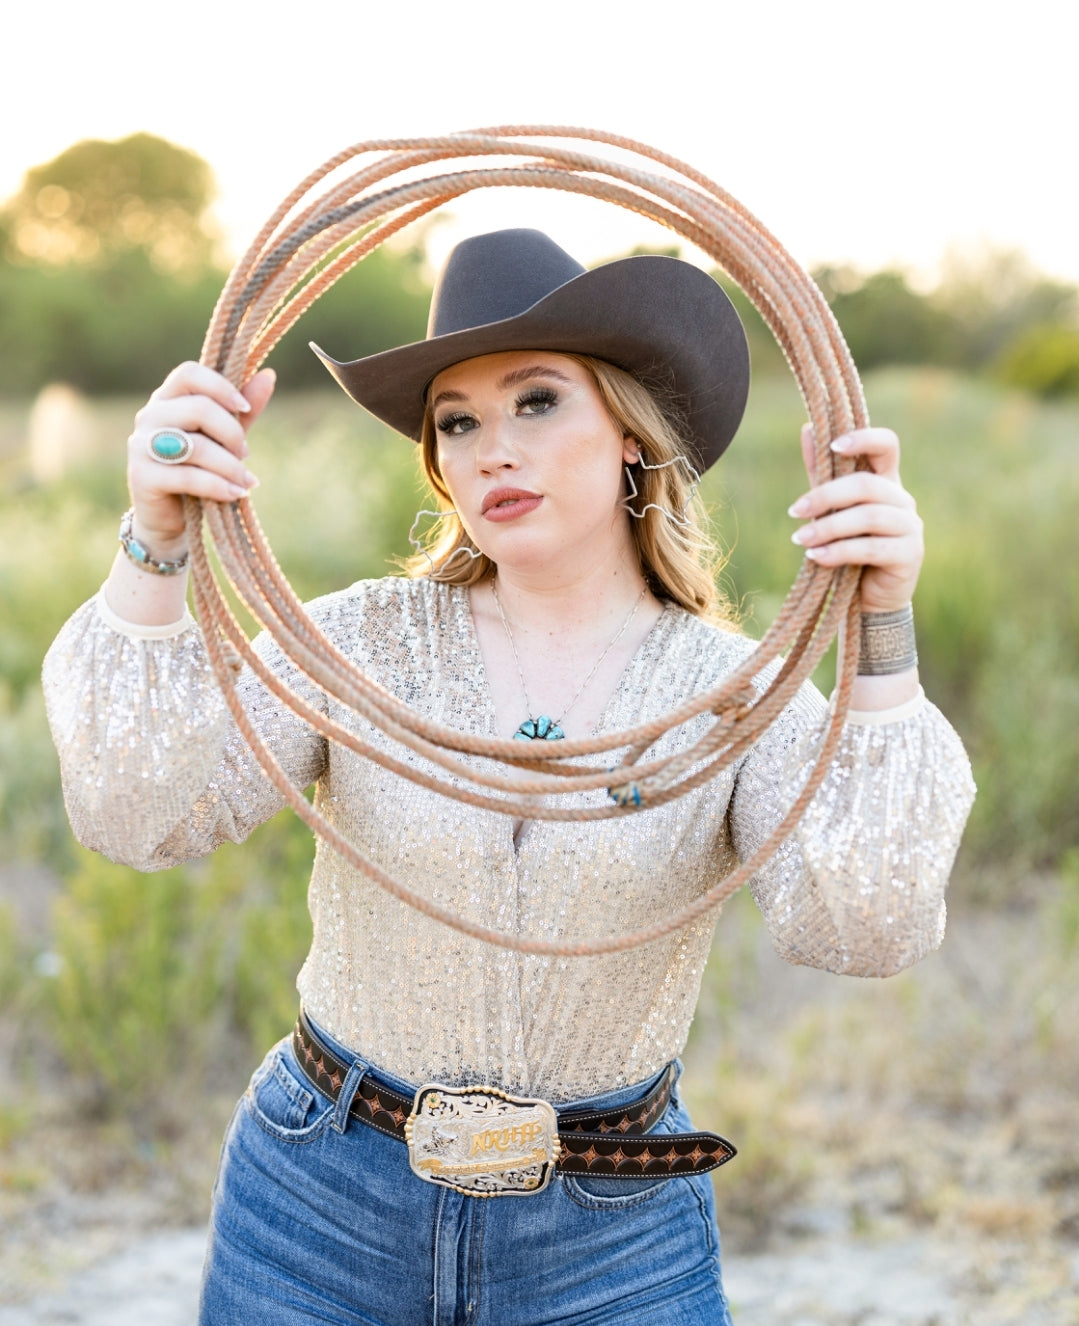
(481, 1141)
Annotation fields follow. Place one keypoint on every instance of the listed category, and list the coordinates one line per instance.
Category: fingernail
(236, 492)
(250, 479)
(800, 535)
(243, 405)
(814, 554)
(798, 508)
(841, 444)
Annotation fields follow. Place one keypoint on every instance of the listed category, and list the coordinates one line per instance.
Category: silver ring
(170, 446)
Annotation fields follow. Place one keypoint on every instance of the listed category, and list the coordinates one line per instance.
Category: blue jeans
(318, 1218)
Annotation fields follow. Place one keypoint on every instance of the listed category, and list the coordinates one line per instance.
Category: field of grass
(943, 1098)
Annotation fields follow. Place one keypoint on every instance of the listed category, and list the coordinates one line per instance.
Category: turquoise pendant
(539, 729)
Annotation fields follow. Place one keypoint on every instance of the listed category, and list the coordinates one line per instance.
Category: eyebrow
(510, 379)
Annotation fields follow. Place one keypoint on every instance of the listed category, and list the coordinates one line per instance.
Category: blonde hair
(678, 561)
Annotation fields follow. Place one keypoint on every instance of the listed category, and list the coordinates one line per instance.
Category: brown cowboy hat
(661, 319)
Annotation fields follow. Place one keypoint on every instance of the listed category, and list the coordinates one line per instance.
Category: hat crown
(489, 278)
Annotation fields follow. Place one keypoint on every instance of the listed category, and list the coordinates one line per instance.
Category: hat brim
(660, 319)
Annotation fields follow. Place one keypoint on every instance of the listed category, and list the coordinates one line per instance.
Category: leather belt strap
(603, 1144)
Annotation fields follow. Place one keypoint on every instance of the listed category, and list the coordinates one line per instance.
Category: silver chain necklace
(545, 728)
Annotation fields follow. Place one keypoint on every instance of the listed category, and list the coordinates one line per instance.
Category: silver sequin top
(155, 773)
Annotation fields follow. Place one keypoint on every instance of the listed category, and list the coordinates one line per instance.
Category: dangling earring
(683, 520)
(471, 553)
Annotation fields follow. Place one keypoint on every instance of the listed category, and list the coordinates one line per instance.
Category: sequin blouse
(155, 773)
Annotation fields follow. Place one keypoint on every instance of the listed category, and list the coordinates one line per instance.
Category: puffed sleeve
(154, 770)
(859, 889)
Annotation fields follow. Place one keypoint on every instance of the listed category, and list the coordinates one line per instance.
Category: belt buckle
(481, 1141)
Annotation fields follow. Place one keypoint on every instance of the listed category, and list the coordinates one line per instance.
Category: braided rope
(306, 245)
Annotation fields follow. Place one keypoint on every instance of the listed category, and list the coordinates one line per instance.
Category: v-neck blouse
(155, 773)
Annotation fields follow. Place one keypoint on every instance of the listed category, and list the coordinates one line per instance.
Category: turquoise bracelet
(140, 554)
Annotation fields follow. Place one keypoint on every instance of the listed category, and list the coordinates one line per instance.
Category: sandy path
(154, 1283)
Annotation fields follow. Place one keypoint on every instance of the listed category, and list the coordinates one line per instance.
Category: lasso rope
(307, 244)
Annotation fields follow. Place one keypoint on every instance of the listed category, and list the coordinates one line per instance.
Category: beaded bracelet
(140, 554)
(887, 644)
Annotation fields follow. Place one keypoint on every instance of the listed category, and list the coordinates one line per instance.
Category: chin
(518, 547)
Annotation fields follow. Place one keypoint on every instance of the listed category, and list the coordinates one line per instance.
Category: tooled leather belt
(612, 1144)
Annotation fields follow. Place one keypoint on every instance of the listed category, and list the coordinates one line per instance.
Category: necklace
(545, 728)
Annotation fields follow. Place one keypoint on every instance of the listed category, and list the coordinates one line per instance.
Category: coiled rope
(311, 240)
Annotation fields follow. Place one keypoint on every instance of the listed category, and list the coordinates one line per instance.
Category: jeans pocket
(283, 1103)
(600, 1193)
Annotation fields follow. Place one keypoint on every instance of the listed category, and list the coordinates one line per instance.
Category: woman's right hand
(216, 416)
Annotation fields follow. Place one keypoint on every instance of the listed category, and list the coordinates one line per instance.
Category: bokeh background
(919, 163)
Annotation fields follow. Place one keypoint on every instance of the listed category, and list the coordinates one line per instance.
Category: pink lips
(509, 503)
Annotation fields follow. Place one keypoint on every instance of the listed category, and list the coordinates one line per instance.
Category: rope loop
(321, 230)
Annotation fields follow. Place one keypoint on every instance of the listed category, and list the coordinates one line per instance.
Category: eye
(456, 423)
(537, 400)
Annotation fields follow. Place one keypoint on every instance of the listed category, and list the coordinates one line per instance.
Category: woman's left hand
(864, 519)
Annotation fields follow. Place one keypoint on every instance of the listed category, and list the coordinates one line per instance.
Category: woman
(565, 416)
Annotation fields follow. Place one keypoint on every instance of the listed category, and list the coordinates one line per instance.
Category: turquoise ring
(170, 446)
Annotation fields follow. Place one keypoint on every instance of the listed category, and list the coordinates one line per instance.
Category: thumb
(257, 391)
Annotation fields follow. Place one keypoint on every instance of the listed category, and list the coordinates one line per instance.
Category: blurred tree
(103, 328)
(377, 305)
(884, 320)
(108, 276)
(991, 312)
(122, 326)
(1043, 359)
(98, 200)
(992, 297)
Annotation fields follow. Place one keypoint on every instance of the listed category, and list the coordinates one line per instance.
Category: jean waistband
(602, 1101)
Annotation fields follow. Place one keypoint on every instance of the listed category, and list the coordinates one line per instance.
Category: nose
(494, 448)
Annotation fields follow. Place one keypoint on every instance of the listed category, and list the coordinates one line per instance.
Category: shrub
(161, 979)
(1044, 360)
(135, 981)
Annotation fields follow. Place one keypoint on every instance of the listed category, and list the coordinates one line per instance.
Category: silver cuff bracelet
(887, 644)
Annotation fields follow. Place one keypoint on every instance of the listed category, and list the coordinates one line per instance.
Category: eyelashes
(533, 402)
(455, 422)
(544, 396)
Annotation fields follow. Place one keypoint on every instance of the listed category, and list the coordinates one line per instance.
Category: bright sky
(855, 130)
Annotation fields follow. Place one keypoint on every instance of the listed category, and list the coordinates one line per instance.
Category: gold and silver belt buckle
(481, 1141)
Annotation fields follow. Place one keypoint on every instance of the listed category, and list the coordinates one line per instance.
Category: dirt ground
(814, 1281)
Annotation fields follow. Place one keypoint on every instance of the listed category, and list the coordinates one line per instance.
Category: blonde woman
(564, 417)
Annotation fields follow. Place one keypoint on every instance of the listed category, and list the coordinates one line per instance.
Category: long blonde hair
(678, 560)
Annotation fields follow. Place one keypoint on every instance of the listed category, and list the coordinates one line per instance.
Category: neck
(586, 595)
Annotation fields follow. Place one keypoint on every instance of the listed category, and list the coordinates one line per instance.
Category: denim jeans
(319, 1218)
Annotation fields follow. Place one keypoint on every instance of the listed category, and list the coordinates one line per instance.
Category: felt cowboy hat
(660, 319)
